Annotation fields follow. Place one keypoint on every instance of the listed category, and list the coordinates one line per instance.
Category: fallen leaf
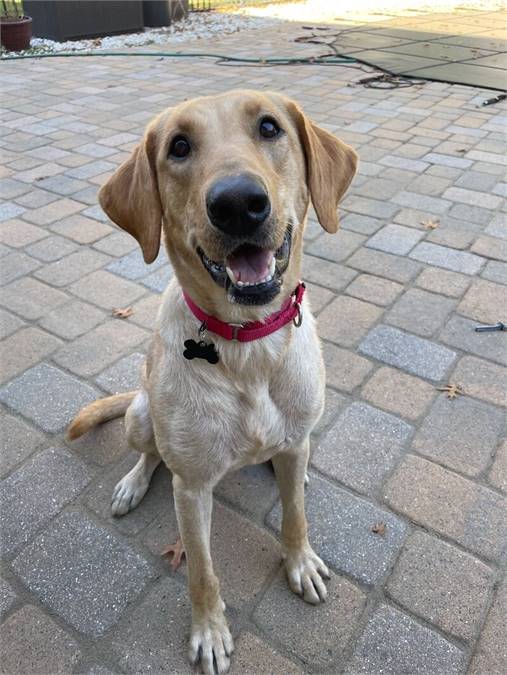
(462, 151)
(122, 313)
(452, 390)
(177, 551)
(430, 224)
(379, 528)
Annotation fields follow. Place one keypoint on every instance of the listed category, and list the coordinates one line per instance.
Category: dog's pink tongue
(251, 266)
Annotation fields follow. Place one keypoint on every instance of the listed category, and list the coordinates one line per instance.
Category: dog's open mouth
(251, 275)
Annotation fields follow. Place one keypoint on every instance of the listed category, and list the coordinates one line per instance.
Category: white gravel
(197, 26)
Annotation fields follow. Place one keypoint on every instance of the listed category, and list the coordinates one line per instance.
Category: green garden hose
(221, 58)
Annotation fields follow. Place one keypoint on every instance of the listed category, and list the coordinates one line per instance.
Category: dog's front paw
(211, 645)
(304, 572)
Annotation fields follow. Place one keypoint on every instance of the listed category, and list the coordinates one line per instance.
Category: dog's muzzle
(251, 275)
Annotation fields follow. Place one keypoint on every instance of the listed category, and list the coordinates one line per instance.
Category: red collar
(254, 330)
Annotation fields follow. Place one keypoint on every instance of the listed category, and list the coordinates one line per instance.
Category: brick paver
(444, 282)
(460, 434)
(458, 508)
(394, 643)
(447, 587)
(7, 597)
(408, 352)
(283, 616)
(482, 379)
(37, 491)
(374, 289)
(395, 239)
(448, 258)
(498, 472)
(23, 349)
(82, 572)
(255, 655)
(252, 490)
(491, 654)
(19, 441)
(36, 644)
(459, 333)
(346, 320)
(361, 447)
(398, 392)
(91, 353)
(47, 396)
(154, 638)
(483, 301)
(406, 501)
(420, 312)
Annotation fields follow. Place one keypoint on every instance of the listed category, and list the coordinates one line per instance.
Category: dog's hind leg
(133, 486)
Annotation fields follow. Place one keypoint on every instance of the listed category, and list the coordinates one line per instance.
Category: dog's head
(230, 177)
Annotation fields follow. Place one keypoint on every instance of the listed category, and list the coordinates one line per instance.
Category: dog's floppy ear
(132, 200)
(330, 166)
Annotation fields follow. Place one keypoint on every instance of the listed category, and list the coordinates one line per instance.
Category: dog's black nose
(237, 204)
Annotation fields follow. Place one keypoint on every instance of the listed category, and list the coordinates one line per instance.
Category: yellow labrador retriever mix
(235, 374)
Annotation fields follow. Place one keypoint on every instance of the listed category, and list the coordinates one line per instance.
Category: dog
(234, 375)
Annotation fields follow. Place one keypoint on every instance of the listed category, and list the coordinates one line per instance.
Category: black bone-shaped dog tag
(200, 350)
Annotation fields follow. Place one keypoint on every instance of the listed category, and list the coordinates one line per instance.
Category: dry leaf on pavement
(122, 313)
(379, 528)
(177, 551)
(453, 390)
(430, 224)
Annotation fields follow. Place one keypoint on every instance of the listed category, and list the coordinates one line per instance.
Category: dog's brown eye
(179, 148)
(268, 128)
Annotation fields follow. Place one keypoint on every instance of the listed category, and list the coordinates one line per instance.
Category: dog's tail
(100, 411)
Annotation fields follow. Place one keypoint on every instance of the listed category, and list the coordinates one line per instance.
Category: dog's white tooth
(231, 276)
(268, 278)
(239, 284)
(272, 267)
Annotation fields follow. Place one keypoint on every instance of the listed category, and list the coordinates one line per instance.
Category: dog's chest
(254, 422)
(275, 404)
(233, 424)
(261, 398)
(265, 424)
